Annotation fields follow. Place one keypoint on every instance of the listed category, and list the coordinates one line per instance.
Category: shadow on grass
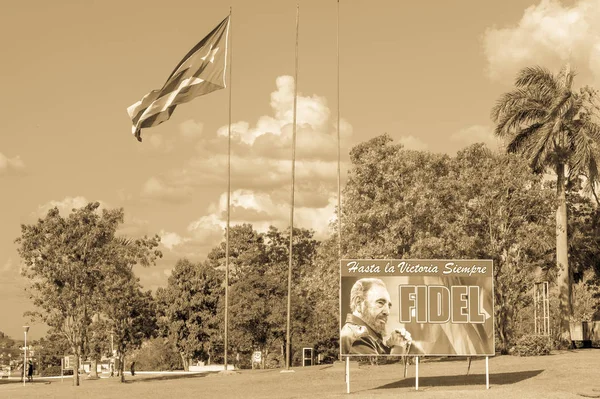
(133, 380)
(473, 379)
(7, 381)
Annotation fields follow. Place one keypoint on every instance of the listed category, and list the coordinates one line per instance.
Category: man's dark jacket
(360, 339)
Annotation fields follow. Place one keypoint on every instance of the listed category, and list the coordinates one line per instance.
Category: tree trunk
(122, 366)
(94, 369)
(504, 321)
(562, 258)
(186, 362)
(76, 368)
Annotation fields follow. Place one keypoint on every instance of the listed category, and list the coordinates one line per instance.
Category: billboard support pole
(347, 374)
(487, 373)
(417, 373)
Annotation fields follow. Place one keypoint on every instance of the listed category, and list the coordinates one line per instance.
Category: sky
(427, 73)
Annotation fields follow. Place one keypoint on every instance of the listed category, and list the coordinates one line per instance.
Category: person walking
(30, 371)
(133, 368)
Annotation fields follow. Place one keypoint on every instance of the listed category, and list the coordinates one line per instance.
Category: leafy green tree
(389, 195)
(63, 259)
(158, 354)
(246, 248)
(586, 297)
(98, 343)
(50, 350)
(321, 294)
(258, 293)
(584, 232)
(410, 204)
(303, 255)
(130, 314)
(189, 306)
(9, 350)
(68, 260)
(553, 126)
(505, 217)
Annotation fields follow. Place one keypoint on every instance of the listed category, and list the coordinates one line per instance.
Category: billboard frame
(490, 275)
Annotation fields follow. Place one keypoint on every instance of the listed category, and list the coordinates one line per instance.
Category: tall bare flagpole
(289, 299)
(228, 204)
(339, 196)
(339, 181)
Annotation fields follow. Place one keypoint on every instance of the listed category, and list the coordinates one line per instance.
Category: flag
(200, 72)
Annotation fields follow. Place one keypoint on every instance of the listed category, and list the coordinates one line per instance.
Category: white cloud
(170, 240)
(65, 206)
(412, 143)
(260, 173)
(261, 153)
(158, 188)
(9, 166)
(548, 34)
(263, 210)
(134, 227)
(310, 110)
(476, 134)
(131, 226)
(124, 195)
(159, 143)
(191, 129)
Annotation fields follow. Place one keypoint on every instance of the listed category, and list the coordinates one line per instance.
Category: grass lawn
(564, 374)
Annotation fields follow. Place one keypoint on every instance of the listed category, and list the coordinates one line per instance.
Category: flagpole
(339, 197)
(226, 343)
(289, 299)
(339, 180)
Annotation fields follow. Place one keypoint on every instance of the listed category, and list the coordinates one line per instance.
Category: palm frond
(515, 121)
(509, 101)
(591, 130)
(124, 241)
(592, 169)
(592, 189)
(559, 107)
(536, 76)
(540, 147)
(585, 150)
(518, 143)
(576, 110)
(566, 76)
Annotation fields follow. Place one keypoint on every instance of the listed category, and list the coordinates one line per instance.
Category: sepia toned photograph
(300, 199)
(417, 307)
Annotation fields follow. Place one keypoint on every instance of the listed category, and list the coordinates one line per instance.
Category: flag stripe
(200, 72)
(202, 43)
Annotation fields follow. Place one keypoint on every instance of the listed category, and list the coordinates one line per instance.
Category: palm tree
(554, 127)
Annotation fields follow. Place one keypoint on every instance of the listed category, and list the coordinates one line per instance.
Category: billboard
(417, 307)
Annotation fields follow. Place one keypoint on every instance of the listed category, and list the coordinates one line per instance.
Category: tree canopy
(554, 127)
(71, 261)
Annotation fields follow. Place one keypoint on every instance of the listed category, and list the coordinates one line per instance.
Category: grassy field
(565, 374)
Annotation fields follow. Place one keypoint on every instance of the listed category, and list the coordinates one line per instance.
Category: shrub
(157, 354)
(532, 345)
(53, 371)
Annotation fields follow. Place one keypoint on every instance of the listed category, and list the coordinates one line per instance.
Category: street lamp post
(26, 328)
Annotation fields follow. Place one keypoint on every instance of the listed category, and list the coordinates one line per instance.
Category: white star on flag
(194, 76)
(211, 53)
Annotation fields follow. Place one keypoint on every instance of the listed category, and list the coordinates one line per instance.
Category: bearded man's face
(375, 309)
